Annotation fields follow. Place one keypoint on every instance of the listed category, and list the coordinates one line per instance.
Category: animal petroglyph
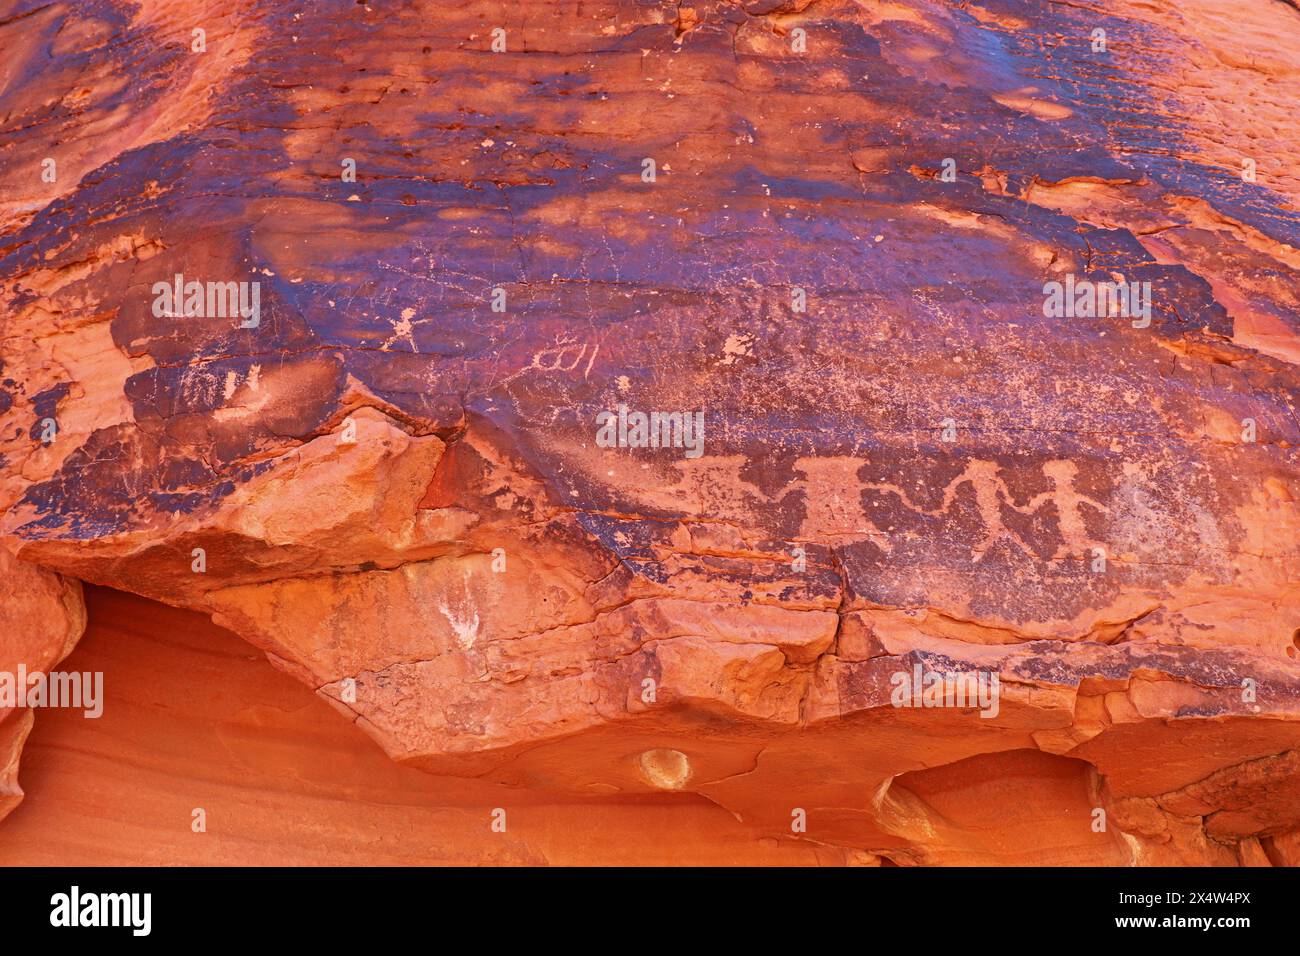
(565, 357)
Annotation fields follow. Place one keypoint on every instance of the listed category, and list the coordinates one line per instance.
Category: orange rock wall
(394, 485)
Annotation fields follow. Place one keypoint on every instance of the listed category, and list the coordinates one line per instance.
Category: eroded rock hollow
(644, 401)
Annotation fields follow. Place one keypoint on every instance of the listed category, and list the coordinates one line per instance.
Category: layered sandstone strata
(393, 481)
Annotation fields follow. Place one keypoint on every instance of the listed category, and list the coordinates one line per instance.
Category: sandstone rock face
(197, 719)
(41, 618)
(823, 236)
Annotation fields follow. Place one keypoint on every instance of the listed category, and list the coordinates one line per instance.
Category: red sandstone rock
(401, 495)
(198, 720)
(41, 619)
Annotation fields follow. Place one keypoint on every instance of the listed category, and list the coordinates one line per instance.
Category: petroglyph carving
(1067, 501)
(833, 501)
(991, 492)
(834, 511)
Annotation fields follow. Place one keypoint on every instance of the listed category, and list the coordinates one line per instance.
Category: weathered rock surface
(199, 721)
(396, 491)
(41, 618)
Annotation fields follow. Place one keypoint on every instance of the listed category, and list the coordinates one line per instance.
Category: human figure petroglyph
(833, 501)
(832, 495)
(709, 487)
(833, 508)
(989, 490)
(1068, 501)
